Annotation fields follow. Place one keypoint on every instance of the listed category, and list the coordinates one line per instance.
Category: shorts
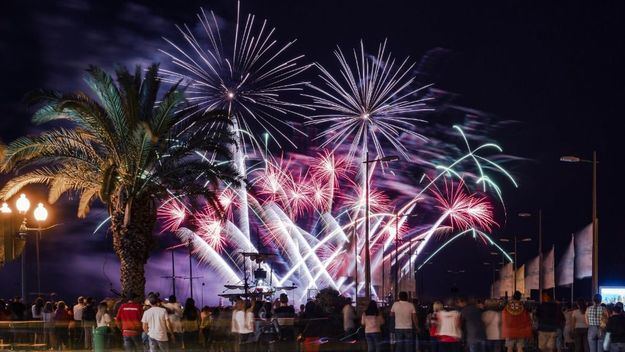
(547, 340)
(515, 343)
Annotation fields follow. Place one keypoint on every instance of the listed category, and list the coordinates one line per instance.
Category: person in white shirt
(174, 311)
(156, 325)
(580, 327)
(372, 321)
(37, 309)
(492, 324)
(242, 324)
(76, 329)
(102, 317)
(349, 316)
(405, 318)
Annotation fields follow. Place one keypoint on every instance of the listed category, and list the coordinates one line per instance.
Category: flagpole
(573, 278)
(553, 249)
(540, 255)
(595, 230)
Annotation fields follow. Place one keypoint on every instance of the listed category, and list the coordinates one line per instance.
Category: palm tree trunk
(132, 223)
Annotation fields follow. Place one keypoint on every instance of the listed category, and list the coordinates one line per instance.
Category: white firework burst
(371, 100)
(250, 77)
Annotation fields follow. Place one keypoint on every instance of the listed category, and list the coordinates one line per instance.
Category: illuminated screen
(612, 294)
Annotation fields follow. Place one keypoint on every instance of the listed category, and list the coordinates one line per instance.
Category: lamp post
(397, 240)
(367, 252)
(540, 250)
(595, 230)
(515, 239)
(41, 215)
(22, 204)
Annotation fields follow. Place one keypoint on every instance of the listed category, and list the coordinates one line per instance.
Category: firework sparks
(210, 228)
(378, 200)
(371, 100)
(172, 214)
(249, 79)
(327, 167)
(464, 210)
(227, 200)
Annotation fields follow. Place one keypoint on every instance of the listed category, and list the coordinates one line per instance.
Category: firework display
(308, 205)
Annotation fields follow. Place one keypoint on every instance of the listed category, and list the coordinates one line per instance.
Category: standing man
(88, 321)
(516, 324)
(405, 316)
(550, 320)
(129, 322)
(77, 329)
(471, 317)
(596, 316)
(616, 328)
(156, 325)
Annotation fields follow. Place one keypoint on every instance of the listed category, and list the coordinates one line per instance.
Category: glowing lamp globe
(41, 213)
(22, 204)
(5, 208)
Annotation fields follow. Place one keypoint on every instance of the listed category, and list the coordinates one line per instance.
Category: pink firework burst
(321, 196)
(210, 228)
(299, 196)
(273, 182)
(328, 167)
(378, 200)
(172, 213)
(465, 210)
(227, 200)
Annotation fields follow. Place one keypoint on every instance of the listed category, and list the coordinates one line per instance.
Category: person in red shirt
(516, 324)
(129, 322)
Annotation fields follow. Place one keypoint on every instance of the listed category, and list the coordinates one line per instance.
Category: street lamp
(367, 252)
(397, 240)
(595, 230)
(22, 204)
(40, 213)
(526, 215)
(515, 239)
(5, 208)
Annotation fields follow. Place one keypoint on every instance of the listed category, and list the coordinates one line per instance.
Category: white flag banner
(566, 265)
(520, 280)
(548, 272)
(532, 274)
(507, 280)
(583, 253)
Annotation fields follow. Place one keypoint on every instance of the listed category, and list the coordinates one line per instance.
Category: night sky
(554, 69)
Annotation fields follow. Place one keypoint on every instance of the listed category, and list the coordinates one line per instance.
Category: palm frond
(84, 204)
(148, 92)
(49, 147)
(15, 184)
(104, 87)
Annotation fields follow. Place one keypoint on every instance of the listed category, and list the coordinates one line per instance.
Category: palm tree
(126, 149)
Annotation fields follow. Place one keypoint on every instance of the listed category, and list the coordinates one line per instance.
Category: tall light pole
(515, 239)
(595, 229)
(540, 250)
(41, 215)
(397, 240)
(23, 204)
(367, 252)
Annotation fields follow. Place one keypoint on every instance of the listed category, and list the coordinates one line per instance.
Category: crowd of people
(329, 322)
